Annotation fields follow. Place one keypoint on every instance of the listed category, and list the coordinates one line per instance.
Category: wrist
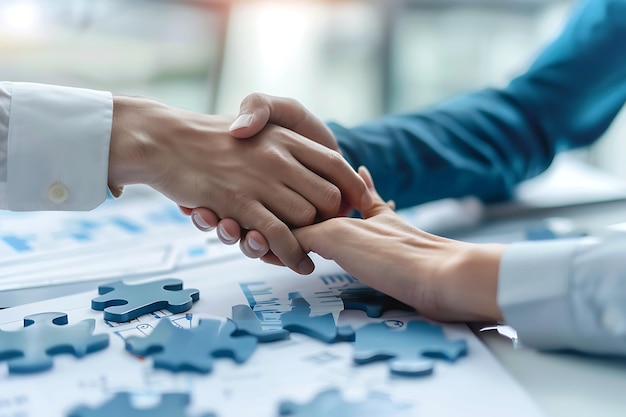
(132, 150)
(471, 290)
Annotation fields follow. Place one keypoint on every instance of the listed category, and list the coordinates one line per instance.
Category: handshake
(257, 178)
(274, 180)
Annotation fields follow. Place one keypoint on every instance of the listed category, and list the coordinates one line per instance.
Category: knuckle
(273, 156)
(293, 103)
(275, 230)
(334, 160)
(330, 199)
(247, 205)
(256, 100)
(304, 216)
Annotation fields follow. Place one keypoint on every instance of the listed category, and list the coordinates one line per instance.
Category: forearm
(479, 144)
(134, 143)
(152, 144)
(469, 282)
(485, 143)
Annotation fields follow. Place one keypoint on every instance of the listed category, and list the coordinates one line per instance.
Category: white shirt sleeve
(566, 294)
(54, 147)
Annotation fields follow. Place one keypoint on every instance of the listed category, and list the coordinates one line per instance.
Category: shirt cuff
(533, 292)
(58, 147)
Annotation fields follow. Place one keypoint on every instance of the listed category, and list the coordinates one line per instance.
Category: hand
(442, 278)
(256, 111)
(271, 182)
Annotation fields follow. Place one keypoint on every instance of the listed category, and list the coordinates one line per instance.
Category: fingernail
(200, 223)
(254, 245)
(224, 235)
(305, 267)
(243, 120)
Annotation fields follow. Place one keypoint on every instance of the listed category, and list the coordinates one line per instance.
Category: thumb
(373, 203)
(254, 114)
(257, 110)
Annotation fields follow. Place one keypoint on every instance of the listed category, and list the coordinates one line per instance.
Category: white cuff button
(58, 193)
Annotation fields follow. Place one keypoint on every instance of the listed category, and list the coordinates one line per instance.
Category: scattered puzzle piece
(322, 327)
(178, 349)
(46, 334)
(405, 348)
(249, 324)
(122, 302)
(171, 405)
(331, 404)
(373, 303)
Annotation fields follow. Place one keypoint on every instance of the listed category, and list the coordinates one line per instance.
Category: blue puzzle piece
(331, 404)
(178, 349)
(322, 327)
(248, 323)
(122, 302)
(406, 348)
(46, 334)
(171, 405)
(373, 303)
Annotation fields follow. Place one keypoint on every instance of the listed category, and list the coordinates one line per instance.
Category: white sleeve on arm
(54, 147)
(566, 294)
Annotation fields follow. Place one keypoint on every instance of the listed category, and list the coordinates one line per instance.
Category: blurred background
(346, 60)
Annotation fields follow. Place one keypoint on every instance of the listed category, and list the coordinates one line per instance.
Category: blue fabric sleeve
(484, 143)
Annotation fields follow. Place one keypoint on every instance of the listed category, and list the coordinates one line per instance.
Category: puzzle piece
(171, 405)
(122, 302)
(46, 334)
(405, 347)
(373, 303)
(322, 327)
(331, 404)
(249, 324)
(178, 349)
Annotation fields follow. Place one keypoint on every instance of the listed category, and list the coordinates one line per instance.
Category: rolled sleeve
(58, 147)
(566, 294)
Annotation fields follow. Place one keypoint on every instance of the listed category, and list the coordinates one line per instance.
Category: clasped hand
(442, 278)
(271, 182)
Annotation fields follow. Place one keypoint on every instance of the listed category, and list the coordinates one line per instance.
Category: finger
(254, 245)
(391, 204)
(185, 210)
(270, 258)
(323, 196)
(280, 238)
(228, 231)
(335, 169)
(257, 110)
(320, 238)
(204, 219)
(378, 205)
(289, 206)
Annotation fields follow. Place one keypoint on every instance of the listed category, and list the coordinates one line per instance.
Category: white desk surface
(564, 385)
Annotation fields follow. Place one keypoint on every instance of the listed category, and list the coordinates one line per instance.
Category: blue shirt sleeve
(485, 142)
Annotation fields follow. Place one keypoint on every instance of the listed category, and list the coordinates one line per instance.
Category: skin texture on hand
(443, 279)
(272, 182)
(256, 111)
